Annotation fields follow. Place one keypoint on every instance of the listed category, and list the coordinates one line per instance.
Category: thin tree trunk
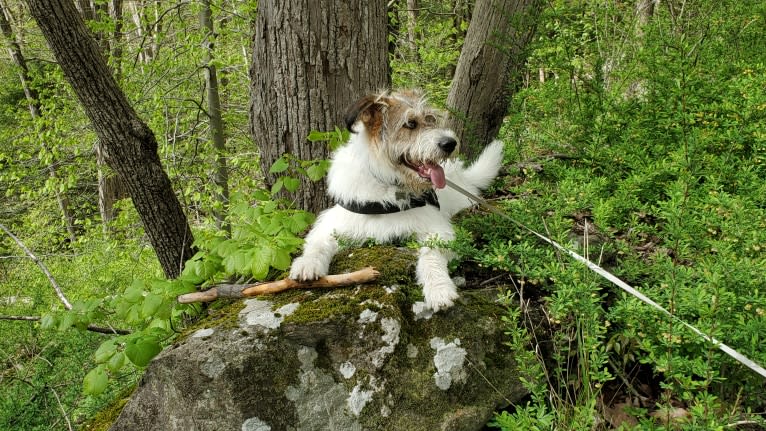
(311, 61)
(33, 102)
(644, 12)
(492, 57)
(130, 146)
(109, 188)
(221, 172)
(412, 21)
(117, 16)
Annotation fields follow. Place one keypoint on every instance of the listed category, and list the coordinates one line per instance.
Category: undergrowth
(646, 156)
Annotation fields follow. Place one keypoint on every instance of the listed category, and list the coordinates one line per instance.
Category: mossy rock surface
(353, 358)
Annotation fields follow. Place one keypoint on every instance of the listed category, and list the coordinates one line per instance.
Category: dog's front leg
(432, 273)
(318, 251)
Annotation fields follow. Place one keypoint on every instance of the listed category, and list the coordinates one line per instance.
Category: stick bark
(245, 290)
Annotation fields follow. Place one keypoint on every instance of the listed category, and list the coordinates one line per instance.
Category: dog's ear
(368, 109)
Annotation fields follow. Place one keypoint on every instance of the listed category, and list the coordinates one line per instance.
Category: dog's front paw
(440, 296)
(304, 268)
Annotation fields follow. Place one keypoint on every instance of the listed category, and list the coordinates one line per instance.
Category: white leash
(616, 281)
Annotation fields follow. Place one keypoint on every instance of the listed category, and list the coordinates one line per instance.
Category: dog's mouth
(430, 171)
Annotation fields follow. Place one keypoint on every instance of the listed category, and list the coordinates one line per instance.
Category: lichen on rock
(449, 361)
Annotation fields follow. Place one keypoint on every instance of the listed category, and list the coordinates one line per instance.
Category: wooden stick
(364, 275)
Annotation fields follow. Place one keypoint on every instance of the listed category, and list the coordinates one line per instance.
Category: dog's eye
(411, 124)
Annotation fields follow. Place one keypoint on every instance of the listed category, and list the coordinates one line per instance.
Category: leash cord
(614, 279)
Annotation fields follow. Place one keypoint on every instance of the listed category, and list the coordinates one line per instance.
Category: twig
(63, 412)
(244, 290)
(490, 280)
(91, 327)
(42, 266)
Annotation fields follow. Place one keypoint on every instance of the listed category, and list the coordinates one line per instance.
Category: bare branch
(91, 327)
(42, 266)
(63, 412)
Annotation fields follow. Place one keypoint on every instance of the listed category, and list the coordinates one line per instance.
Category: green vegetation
(649, 136)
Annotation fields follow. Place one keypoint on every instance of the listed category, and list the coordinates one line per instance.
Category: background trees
(129, 146)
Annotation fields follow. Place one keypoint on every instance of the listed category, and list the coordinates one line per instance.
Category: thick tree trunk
(33, 102)
(311, 61)
(221, 172)
(491, 60)
(130, 146)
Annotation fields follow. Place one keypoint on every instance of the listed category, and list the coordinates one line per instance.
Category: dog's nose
(448, 145)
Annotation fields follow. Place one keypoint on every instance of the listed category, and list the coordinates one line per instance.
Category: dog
(388, 182)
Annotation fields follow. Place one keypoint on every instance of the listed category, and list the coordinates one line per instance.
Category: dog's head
(406, 133)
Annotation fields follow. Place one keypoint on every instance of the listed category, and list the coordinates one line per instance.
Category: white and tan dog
(383, 181)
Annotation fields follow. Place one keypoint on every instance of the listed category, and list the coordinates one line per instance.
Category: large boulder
(361, 358)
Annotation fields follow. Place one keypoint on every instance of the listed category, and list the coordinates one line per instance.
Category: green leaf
(237, 263)
(318, 170)
(141, 350)
(67, 321)
(121, 308)
(277, 186)
(261, 260)
(134, 292)
(281, 259)
(316, 136)
(116, 362)
(151, 303)
(280, 165)
(48, 321)
(105, 351)
(226, 248)
(261, 195)
(299, 221)
(95, 381)
(291, 184)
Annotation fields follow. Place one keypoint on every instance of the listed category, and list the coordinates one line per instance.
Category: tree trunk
(311, 61)
(33, 102)
(221, 172)
(117, 15)
(130, 146)
(492, 57)
(412, 22)
(109, 187)
(644, 12)
(110, 190)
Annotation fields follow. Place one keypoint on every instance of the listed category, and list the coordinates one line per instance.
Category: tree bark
(311, 61)
(33, 102)
(130, 146)
(221, 171)
(117, 15)
(109, 188)
(492, 57)
(412, 22)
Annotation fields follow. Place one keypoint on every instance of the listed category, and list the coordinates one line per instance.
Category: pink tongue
(435, 172)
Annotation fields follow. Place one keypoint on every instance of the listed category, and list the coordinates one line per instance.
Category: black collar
(427, 198)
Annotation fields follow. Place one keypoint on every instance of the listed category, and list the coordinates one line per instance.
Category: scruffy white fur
(393, 136)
